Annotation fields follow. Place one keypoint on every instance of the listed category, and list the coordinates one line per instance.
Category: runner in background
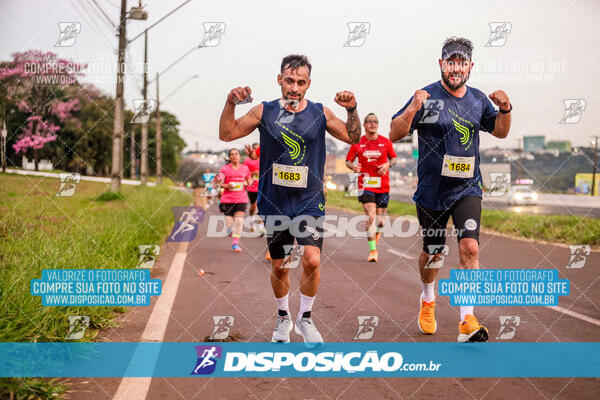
(375, 155)
(254, 154)
(233, 177)
(254, 166)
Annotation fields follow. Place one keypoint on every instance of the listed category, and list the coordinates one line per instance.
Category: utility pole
(117, 155)
(595, 161)
(158, 138)
(132, 173)
(144, 154)
(138, 13)
(4, 135)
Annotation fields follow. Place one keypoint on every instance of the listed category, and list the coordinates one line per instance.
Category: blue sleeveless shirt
(296, 140)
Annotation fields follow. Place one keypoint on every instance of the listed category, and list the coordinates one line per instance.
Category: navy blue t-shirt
(294, 140)
(449, 125)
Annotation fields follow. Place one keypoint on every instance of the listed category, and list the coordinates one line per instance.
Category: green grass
(92, 229)
(32, 388)
(552, 228)
(109, 196)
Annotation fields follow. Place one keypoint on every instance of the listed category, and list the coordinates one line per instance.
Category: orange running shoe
(426, 319)
(373, 256)
(469, 330)
(377, 237)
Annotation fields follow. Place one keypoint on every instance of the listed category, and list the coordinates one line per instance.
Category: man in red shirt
(376, 155)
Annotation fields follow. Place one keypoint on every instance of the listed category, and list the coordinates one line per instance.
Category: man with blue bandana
(292, 160)
(448, 116)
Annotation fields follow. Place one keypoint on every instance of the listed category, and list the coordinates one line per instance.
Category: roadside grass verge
(567, 229)
(93, 229)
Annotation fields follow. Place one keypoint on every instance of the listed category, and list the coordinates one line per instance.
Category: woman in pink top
(233, 177)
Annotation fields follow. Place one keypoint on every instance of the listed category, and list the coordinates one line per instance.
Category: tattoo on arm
(353, 126)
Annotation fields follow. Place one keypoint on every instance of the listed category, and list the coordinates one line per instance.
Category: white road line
(137, 388)
(401, 254)
(157, 323)
(575, 315)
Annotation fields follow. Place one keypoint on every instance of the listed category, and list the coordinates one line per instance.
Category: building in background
(532, 144)
(560, 145)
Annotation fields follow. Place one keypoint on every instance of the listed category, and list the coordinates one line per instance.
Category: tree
(172, 143)
(86, 137)
(36, 81)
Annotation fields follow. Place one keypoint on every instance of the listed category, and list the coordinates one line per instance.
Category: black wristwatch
(351, 110)
(506, 112)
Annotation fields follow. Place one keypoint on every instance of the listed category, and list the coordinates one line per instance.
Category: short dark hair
(368, 115)
(230, 150)
(295, 61)
(458, 41)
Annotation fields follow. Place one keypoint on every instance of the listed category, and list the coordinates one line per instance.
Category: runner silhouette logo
(431, 111)
(207, 359)
(187, 220)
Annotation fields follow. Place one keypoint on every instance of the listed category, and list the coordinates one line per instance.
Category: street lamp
(138, 13)
(118, 127)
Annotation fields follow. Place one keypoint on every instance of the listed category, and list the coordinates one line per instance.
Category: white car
(522, 195)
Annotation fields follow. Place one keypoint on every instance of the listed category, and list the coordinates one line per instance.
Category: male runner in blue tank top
(448, 116)
(292, 159)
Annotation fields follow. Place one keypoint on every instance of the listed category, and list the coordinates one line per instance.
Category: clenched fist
(345, 99)
(240, 95)
(501, 100)
(419, 99)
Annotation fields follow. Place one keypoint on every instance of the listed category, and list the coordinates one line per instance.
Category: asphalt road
(237, 284)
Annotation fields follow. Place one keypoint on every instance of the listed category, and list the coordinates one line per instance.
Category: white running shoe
(305, 328)
(282, 330)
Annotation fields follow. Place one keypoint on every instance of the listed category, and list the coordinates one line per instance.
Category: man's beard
(293, 103)
(453, 86)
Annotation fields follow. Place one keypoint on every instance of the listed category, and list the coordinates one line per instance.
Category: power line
(175, 62)
(157, 22)
(93, 13)
(92, 25)
(113, 4)
(178, 87)
(104, 13)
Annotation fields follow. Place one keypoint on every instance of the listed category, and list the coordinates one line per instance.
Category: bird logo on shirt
(294, 143)
(465, 132)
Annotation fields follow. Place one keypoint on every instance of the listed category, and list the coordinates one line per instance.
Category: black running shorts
(466, 216)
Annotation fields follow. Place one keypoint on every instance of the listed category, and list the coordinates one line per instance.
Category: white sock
(464, 310)
(306, 303)
(428, 293)
(283, 303)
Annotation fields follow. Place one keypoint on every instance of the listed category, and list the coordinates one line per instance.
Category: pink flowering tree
(36, 82)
